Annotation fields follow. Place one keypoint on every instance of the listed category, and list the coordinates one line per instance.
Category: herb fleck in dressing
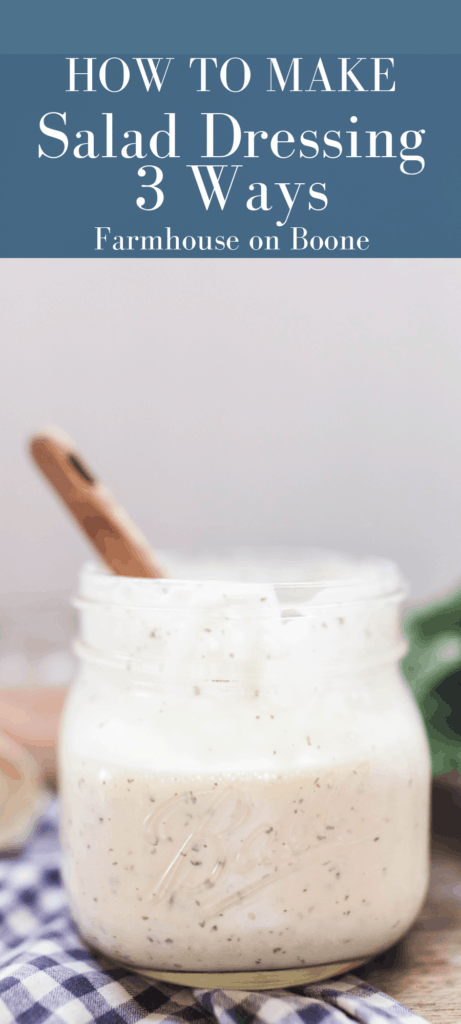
(247, 819)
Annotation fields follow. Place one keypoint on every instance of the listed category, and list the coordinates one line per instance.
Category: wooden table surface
(423, 971)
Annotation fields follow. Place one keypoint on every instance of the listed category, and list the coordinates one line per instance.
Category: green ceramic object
(432, 668)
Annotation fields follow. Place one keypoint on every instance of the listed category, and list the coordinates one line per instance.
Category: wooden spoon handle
(117, 539)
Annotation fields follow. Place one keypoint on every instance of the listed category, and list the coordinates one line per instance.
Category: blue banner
(239, 26)
(317, 155)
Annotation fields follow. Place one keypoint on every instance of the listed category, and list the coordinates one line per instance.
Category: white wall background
(232, 402)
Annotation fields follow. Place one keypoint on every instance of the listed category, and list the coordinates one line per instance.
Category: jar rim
(353, 581)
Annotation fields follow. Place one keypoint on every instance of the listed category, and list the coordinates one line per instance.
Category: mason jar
(244, 775)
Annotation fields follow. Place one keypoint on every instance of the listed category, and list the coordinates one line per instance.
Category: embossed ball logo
(219, 849)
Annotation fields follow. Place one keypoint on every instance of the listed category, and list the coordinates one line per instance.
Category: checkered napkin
(47, 974)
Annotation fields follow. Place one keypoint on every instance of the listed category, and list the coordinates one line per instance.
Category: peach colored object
(30, 716)
(21, 795)
(106, 524)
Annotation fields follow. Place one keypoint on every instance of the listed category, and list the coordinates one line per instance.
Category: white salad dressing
(244, 774)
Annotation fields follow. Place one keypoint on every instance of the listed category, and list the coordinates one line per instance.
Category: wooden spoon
(106, 524)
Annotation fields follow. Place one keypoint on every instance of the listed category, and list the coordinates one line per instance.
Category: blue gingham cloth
(48, 975)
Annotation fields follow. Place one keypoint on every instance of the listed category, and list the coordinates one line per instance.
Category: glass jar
(244, 776)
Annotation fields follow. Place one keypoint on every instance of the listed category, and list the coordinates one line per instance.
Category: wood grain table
(423, 971)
